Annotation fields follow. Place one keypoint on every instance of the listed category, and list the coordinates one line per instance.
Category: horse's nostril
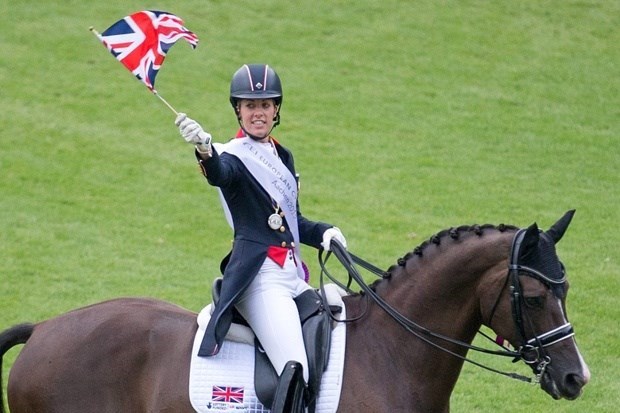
(573, 385)
(575, 380)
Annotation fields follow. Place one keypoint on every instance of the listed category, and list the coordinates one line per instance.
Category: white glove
(333, 233)
(191, 130)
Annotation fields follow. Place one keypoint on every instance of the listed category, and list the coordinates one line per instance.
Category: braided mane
(454, 233)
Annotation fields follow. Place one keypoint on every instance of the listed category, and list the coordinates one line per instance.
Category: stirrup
(289, 397)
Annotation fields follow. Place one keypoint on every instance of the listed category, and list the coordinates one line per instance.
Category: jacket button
(282, 229)
(283, 244)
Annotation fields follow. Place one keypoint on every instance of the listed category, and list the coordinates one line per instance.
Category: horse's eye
(534, 302)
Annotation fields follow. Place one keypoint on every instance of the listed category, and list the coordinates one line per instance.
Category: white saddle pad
(225, 383)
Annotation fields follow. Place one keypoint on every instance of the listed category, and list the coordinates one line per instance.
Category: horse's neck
(441, 298)
(387, 356)
(441, 289)
(438, 295)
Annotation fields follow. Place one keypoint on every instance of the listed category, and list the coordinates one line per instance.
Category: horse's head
(533, 309)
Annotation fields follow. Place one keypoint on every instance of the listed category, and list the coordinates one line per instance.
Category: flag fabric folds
(142, 40)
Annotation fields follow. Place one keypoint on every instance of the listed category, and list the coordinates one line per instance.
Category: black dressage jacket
(250, 206)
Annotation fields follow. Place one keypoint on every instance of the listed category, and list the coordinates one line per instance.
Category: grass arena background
(406, 117)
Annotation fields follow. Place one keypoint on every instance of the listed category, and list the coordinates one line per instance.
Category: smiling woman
(264, 273)
(256, 117)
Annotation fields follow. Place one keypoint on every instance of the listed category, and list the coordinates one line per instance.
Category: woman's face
(257, 116)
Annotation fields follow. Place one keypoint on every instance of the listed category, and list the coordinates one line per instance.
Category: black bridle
(531, 351)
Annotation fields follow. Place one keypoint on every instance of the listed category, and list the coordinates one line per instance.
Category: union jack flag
(140, 41)
(227, 394)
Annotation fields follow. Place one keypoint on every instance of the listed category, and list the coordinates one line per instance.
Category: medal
(274, 221)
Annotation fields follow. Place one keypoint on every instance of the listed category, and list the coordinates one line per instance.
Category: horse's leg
(125, 356)
(71, 366)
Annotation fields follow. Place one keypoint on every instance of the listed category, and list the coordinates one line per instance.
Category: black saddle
(316, 329)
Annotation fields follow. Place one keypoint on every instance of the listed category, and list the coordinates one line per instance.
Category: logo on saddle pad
(226, 398)
(227, 394)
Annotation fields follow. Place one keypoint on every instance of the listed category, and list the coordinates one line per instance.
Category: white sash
(273, 176)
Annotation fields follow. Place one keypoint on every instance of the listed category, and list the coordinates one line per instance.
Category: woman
(257, 181)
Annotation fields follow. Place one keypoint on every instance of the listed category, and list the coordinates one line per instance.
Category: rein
(348, 260)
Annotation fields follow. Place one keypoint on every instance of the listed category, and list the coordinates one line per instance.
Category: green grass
(405, 118)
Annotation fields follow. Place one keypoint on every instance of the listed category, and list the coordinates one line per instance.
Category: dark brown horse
(404, 353)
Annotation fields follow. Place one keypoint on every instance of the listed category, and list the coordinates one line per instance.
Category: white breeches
(268, 307)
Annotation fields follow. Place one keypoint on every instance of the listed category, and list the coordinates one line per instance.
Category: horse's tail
(13, 336)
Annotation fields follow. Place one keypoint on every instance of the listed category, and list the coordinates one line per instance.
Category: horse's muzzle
(569, 386)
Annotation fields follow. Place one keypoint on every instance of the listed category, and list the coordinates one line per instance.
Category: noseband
(532, 351)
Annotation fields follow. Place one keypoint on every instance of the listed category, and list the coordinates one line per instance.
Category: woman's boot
(289, 397)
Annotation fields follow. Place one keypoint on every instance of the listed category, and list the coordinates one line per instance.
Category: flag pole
(164, 101)
(96, 33)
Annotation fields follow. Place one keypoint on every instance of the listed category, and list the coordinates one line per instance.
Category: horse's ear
(530, 240)
(558, 229)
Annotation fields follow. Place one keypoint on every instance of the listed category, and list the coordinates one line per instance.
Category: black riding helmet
(256, 81)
